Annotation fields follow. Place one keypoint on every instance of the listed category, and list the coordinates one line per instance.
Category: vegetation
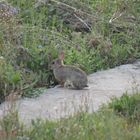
(127, 106)
(93, 34)
(104, 124)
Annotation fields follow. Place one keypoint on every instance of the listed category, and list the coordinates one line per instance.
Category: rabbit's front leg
(61, 84)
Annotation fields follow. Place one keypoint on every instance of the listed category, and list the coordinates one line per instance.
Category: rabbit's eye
(52, 62)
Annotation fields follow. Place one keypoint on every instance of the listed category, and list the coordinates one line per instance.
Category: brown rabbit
(67, 75)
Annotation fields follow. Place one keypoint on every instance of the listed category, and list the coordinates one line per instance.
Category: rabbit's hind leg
(78, 85)
(68, 84)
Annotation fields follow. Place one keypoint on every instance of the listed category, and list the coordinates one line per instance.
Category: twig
(73, 8)
(81, 20)
(114, 17)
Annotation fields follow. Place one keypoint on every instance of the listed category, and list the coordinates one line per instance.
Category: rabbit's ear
(61, 55)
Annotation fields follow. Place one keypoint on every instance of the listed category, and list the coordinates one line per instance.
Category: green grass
(105, 124)
(38, 34)
(127, 106)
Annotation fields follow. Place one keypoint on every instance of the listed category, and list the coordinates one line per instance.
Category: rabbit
(68, 75)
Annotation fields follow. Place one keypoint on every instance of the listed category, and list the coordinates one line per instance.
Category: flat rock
(59, 102)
